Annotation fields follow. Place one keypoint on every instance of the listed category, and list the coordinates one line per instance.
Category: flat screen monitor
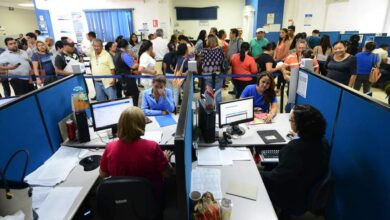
(106, 114)
(236, 112)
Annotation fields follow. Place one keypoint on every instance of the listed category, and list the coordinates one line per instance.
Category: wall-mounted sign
(270, 18)
(155, 23)
(308, 19)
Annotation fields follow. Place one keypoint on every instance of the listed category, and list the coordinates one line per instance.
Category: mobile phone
(18, 64)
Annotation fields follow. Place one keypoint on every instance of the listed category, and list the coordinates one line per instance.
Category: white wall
(230, 15)
(16, 22)
(145, 11)
(328, 15)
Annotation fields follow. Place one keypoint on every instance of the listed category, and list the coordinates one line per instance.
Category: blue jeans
(175, 91)
(103, 93)
(217, 86)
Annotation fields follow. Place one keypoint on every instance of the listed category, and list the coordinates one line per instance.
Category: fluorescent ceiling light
(26, 5)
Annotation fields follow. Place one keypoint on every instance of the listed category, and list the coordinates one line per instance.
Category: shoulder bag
(375, 73)
(15, 195)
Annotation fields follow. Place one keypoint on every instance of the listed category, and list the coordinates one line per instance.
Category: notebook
(271, 136)
(242, 189)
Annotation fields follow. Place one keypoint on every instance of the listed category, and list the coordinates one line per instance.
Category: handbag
(375, 73)
(178, 82)
(15, 195)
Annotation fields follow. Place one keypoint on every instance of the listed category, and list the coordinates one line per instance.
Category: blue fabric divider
(351, 32)
(345, 37)
(324, 96)
(22, 127)
(334, 35)
(273, 37)
(366, 38)
(360, 160)
(56, 105)
(382, 40)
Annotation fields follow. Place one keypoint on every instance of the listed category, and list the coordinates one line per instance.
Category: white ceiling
(14, 3)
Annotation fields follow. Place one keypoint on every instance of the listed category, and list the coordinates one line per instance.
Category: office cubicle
(333, 35)
(30, 122)
(183, 149)
(360, 150)
(272, 37)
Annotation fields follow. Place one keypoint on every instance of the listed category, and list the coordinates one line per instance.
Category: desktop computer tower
(82, 126)
(206, 122)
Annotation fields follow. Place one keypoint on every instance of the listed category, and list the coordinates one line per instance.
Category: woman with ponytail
(242, 63)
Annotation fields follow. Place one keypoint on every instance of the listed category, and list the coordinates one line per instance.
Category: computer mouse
(90, 162)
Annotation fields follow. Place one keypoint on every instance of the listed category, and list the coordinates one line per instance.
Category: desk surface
(251, 138)
(245, 208)
(99, 139)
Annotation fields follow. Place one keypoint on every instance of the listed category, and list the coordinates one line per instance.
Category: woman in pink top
(242, 63)
(281, 52)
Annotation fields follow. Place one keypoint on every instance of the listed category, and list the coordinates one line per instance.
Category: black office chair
(127, 198)
(319, 194)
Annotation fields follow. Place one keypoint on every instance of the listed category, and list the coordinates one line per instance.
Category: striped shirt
(292, 62)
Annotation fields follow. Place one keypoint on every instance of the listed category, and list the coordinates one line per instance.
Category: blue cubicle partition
(23, 128)
(273, 37)
(183, 149)
(334, 35)
(367, 38)
(323, 96)
(351, 32)
(345, 37)
(55, 101)
(382, 40)
(360, 160)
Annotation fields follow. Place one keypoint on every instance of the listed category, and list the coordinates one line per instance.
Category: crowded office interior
(204, 110)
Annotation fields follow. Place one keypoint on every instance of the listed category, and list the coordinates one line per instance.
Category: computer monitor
(233, 113)
(106, 114)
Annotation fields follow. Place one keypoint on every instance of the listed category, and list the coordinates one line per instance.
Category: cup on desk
(195, 196)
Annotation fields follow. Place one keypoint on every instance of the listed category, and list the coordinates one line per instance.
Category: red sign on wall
(155, 23)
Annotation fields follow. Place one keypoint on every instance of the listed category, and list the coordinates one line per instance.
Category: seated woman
(264, 95)
(303, 162)
(158, 100)
(132, 155)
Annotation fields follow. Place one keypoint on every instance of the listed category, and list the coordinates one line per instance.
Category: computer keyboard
(269, 156)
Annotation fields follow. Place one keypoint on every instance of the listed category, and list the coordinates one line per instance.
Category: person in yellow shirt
(102, 65)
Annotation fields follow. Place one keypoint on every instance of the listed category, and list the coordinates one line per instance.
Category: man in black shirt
(68, 55)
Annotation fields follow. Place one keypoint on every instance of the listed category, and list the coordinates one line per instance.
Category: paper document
(39, 195)
(165, 120)
(57, 167)
(239, 154)
(242, 189)
(227, 157)
(209, 156)
(58, 203)
(153, 136)
(302, 84)
(207, 180)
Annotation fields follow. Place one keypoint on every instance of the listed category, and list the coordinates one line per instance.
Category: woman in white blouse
(147, 63)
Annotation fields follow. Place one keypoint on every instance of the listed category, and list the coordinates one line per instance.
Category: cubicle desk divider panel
(322, 95)
(183, 149)
(55, 101)
(382, 40)
(360, 160)
(272, 37)
(22, 127)
(334, 35)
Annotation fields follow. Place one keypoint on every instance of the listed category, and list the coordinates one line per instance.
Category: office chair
(320, 193)
(127, 198)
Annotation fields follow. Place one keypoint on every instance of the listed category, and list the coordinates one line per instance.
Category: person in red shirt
(242, 63)
(132, 155)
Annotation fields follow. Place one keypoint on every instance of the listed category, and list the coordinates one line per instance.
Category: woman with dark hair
(125, 65)
(146, 63)
(342, 65)
(264, 95)
(242, 63)
(173, 40)
(266, 61)
(134, 45)
(293, 44)
(118, 39)
(322, 52)
(222, 37)
(303, 162)
(283, 46)
(353, 45)
(111, 47)
(200, 42)
(365, 60)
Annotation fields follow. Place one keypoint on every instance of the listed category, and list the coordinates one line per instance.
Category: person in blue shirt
(264, 95)
(158, 100)
(315, 39)
(365, 61)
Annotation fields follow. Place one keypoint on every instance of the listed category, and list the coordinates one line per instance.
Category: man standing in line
(258, 43)
(160, 45)
(31, 44)
(87, 43)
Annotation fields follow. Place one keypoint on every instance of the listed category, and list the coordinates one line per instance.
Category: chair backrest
(127, 198)
(320, 193)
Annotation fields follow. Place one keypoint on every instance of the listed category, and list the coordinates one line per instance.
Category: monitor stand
(114, 131)
(235, 130)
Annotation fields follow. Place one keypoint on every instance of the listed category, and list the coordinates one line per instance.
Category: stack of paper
(207, 180)
(57, 168)
(240, 153)
(214, 156)
(153, 136)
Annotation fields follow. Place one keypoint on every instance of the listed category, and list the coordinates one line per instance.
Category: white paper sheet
(57, 168)
(39, 195)
(240, 154)
(58, 203)
(302, 84)
(226, 157)
(207, 180)
(153, 136)
(209, 156)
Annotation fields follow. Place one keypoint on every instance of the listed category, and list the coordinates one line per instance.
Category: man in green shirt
(258, 42)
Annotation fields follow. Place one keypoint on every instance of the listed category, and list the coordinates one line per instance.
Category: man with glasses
(68, 57)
